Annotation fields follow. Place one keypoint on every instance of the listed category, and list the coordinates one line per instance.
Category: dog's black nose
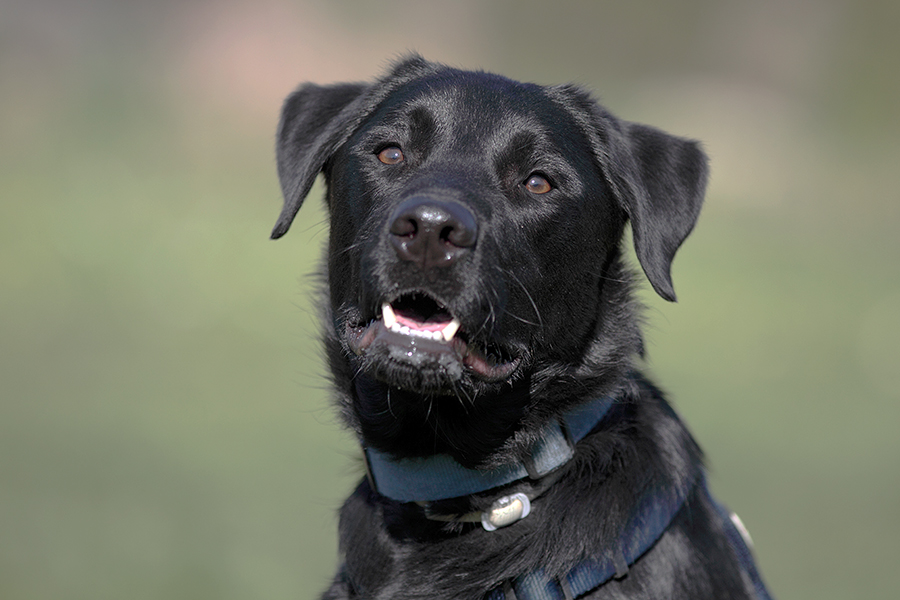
(432, 233)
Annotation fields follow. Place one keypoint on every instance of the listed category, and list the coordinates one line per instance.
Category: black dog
(482, 335)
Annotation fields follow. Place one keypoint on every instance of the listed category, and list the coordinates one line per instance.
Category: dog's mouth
(419, 316)
(416, 331)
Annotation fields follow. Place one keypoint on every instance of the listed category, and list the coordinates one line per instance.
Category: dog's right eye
(391, 155)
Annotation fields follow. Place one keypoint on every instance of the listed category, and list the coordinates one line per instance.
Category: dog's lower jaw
(422, 363)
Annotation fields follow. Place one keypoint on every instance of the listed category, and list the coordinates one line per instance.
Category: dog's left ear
(658, 179)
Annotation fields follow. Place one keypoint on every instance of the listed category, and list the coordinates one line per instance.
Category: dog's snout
(432, 233)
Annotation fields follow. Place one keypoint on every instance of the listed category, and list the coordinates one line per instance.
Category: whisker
(463, 397)
(390, 408)
(528, 295)
(349, 248)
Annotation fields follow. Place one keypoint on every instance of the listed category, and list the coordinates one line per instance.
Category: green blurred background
(165, 429)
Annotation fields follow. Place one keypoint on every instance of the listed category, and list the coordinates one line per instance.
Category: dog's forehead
(464, 90)
(478, 108)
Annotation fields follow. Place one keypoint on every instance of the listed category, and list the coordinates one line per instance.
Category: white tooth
(405, 330)
(450, 330)
(388, 316)
(395, 327)
(437, 336)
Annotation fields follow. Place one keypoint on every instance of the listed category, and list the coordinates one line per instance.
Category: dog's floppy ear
(658, 179)
(315, 120)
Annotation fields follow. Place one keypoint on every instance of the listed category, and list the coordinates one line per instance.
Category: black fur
(547, 315)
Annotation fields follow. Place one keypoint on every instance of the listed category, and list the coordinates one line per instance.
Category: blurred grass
(164, 421)
(767, 358)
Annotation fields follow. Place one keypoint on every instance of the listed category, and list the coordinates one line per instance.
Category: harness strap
(652, 517)
(742, 546)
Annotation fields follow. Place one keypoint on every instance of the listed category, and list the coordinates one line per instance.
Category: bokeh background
(165, 429)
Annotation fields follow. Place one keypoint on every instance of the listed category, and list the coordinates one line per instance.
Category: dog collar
(439, 477)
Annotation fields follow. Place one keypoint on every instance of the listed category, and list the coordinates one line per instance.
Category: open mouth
(419, 316)
(417, 331)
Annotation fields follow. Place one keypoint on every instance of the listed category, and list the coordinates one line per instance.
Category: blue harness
(440, 477)
(651, 521)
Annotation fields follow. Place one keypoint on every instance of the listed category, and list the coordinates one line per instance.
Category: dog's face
(476, 222)
(458, 211)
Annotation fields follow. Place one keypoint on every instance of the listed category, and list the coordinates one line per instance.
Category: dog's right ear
(315, 121)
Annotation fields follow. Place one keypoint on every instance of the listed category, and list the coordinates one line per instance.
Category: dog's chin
(430, 364)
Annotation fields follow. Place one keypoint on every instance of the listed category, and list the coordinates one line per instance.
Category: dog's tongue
(430, 325)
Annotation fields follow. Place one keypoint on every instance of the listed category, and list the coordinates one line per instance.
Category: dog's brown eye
(538, 184)
(391, 155)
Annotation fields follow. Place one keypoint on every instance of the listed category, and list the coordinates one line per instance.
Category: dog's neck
(440, 477)
(476, 432)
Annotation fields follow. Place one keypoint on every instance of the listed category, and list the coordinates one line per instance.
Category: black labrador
(483, 335)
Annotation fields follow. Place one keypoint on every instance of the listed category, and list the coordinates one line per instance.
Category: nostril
(460, 233)
(404, 227)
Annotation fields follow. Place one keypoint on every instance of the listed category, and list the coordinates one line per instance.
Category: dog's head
(476, 222)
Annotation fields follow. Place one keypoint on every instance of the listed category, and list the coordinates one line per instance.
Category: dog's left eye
(537, 184)
(391, 155)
